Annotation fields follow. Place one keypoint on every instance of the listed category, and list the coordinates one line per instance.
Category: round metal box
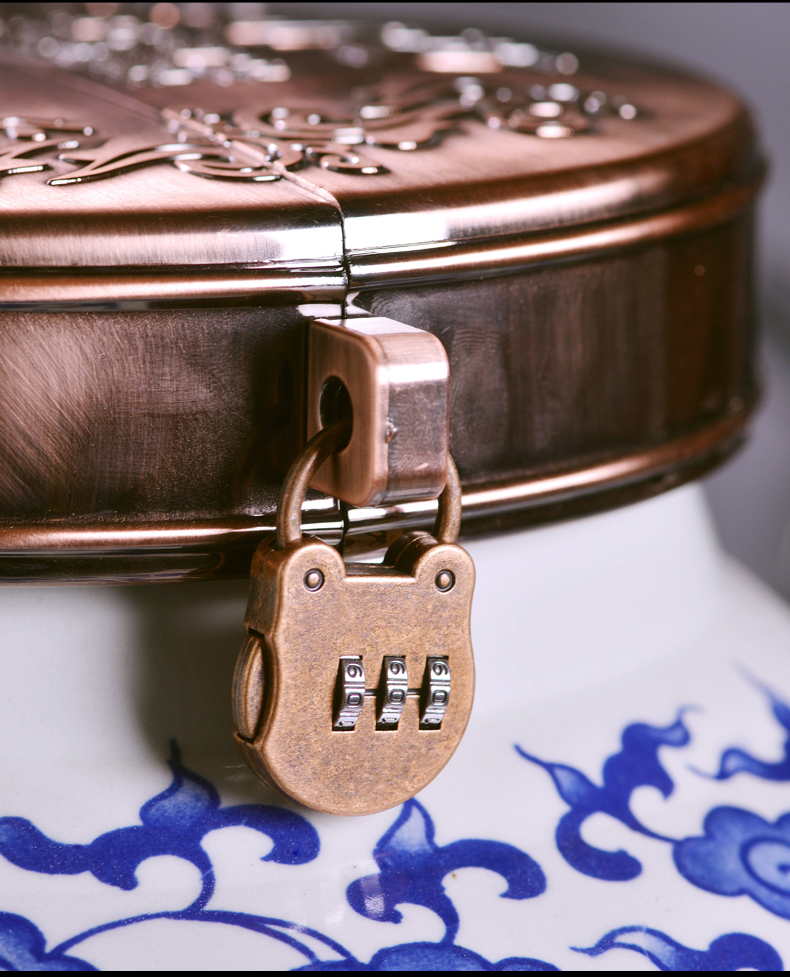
(177, 208)
(575, 231)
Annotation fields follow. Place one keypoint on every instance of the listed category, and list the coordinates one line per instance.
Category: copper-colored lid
(477, 163)
(575, 231)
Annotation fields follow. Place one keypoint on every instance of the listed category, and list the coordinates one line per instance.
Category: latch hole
(335, 403)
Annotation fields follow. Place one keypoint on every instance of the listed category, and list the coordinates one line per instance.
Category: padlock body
(360, 614)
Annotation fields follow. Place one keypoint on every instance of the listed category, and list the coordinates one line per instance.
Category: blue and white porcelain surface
(621, 800)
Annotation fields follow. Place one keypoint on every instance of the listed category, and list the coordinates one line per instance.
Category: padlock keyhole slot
(335, 404)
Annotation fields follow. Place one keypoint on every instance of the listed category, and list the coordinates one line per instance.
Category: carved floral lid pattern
(414, 139)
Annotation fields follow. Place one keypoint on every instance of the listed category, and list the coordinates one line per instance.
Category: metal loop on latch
(314, 454)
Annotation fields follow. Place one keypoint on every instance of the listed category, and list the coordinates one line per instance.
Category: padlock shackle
(314, 454)
(448, 516)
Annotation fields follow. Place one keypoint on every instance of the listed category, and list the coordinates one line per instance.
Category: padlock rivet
(445, 579)
(314, 580)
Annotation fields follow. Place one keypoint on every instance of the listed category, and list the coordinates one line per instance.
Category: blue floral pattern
(412, 866)
(411, 869)
(173, 823)
(22, 947)
(735, 760)
(431, 956)
(636, 765)
(733, 951)
(738, 853)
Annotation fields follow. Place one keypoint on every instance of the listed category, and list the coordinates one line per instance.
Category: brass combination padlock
(355, 683)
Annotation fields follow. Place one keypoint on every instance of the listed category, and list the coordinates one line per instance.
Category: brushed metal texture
(156, 218)
(593, 295)
(397, 379)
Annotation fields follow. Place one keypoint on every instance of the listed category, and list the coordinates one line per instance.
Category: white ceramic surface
(632, 619)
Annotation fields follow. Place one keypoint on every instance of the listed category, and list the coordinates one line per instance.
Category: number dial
(394, 688)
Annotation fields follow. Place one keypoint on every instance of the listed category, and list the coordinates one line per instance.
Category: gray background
(744, 45)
